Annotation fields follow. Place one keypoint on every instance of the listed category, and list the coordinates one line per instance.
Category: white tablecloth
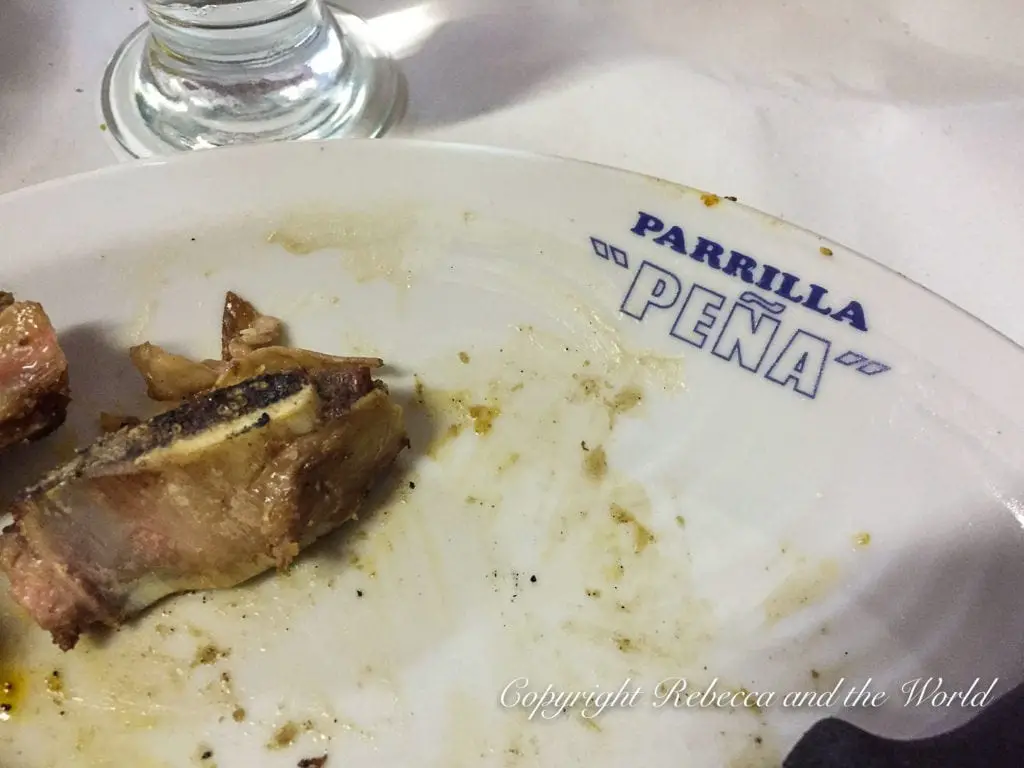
(893, 126)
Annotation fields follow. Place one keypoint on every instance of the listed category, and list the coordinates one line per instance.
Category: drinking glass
(210, 73)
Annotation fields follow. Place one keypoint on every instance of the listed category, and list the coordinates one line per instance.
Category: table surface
(892, 126)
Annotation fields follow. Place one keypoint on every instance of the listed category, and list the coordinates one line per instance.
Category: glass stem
(235, 32)
(212, 73)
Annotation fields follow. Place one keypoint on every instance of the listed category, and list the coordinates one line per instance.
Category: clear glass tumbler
(210, 73)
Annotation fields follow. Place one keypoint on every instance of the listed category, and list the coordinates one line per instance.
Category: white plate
(827, 499)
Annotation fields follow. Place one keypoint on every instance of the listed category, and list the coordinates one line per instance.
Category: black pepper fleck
(359, 593)
(533, 579)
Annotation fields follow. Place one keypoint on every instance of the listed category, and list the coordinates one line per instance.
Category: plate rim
(137, 165)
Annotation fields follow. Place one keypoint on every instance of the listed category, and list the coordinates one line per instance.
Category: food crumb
(710, 199)
(483, 418)
(284, 736)
(238, 715)
(680, 521)
(626, 400)
(209, 654)
(595, 463)
(511, 461)
(624, 643)
(862, 539)
(313, 762)
(463, 357)
(825, 251)
(54, 684)
(815, 674)
(589, 387)
(641, 534)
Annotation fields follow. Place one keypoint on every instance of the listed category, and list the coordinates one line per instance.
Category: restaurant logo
(745, 327)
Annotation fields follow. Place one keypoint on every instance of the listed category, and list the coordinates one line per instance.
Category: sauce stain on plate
(373, 245)
(804, 586)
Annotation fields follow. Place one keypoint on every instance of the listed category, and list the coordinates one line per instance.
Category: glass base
(364, 103)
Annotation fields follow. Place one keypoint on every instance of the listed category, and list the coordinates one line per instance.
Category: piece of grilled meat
(233, 481)
(251, 344)
(207, 495)
(34, 389)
